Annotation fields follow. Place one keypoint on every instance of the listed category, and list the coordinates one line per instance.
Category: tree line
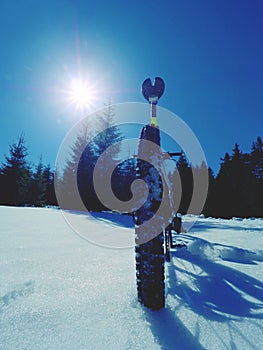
(237, 189)
(22, 183)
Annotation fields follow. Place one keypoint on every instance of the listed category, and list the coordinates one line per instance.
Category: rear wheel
(149, 252)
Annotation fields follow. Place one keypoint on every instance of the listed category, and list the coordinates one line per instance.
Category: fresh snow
(60, 291)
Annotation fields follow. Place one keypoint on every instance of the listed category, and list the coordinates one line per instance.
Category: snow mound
(203, 249)
(243, 256)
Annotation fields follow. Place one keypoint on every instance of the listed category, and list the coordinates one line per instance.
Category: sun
(81, 94)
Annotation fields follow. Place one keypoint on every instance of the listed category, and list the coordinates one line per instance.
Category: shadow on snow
(114, 218)
(219, 292)
(170, 332)
(235, 225)
(108, 217)
(211, 290)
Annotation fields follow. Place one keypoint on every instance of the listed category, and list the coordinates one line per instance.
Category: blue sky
(209, 53)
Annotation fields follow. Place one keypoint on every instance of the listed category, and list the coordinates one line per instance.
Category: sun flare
(81, 94)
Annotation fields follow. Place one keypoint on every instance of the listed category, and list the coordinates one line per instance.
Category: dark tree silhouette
(256, 186)
(48, 178)
(235, 186)
(106, 144)
(15, 175)
(38, 187)
(186, 177)
(223, 199)
(78, 172)
(110, 136)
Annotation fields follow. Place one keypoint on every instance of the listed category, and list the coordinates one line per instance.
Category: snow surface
(59, 291)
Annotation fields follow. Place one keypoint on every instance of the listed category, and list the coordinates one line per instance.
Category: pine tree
(237, 181)
(256, 158)
(38, 186)
(48, 178)
(107, 145)
(85, 177)
(110, 136)
(186, 177)
(256, 186)
(202, 172)
(223, 202)
(77, 173)
(209, 208)
(15, 175)
(232, 185)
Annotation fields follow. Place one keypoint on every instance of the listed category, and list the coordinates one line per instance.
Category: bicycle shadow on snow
(213, 290)
(170, 332)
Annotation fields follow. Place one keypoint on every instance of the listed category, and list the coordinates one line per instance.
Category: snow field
(59, 291)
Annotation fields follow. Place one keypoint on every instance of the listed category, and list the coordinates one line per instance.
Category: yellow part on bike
(154, 121)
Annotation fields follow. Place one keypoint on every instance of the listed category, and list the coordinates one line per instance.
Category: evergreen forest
(236, 191)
